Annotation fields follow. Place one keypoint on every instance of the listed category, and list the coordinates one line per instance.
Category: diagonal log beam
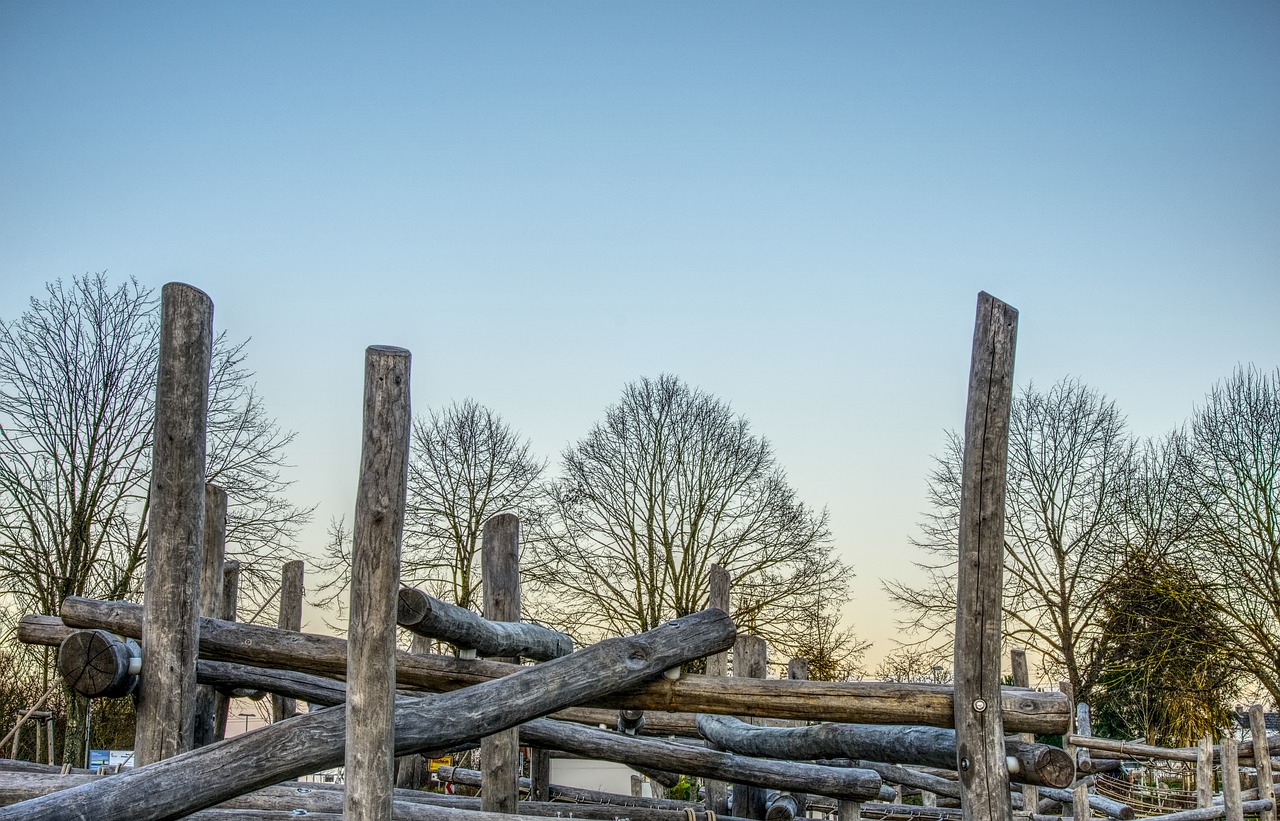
(427, 616)
(209, 775)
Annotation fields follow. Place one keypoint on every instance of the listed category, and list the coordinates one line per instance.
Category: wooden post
(411, 769)
(1022, 678)
(1230, 752)
(798, 670)
(1080, 802)
(500, 569)
(215, 551)
(230, 583)
(1262, 761)
(375, 577)
(540, 775)
(175, 526)
(290, 618)
(718, 665)
(1084, 727)
(849, 811)
(750, 660)
(1204, 773)
(979, 726)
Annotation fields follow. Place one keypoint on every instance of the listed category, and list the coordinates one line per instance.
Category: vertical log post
(175, 527)
(1230, 754)
(750, 660)
(1204, 773)
(1022, 678)
(500, 573)
(292, 588)
(215, 552)
(1084, 727)
(375, 578)
(849, 811)
(718, 665)
(1262, 761)
(1080, 802)
(409, 768)
(980, 753)
(230, 584)
(798, 670)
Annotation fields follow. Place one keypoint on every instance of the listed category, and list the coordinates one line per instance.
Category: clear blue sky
(792, 206)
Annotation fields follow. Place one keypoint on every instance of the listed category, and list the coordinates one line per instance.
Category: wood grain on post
(292, 588)
(500, 569)
(1262, 762)
(215, 554)
(227, 608)
(175, 526)
(1022, 678)
(1231, 778)
(750, 660)
(1204, 773)
(375, 574)
(717, 792)
(978, 722)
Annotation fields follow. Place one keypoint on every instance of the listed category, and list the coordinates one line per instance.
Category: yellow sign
(437, 763)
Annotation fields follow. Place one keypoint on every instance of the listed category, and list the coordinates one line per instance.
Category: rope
(30, 710)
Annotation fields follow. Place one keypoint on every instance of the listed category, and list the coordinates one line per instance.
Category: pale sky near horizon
(792, 206)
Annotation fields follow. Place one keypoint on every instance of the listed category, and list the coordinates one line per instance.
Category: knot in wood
(637, 658)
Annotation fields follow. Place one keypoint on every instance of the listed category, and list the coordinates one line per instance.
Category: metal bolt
(964, 764)
(979, 705)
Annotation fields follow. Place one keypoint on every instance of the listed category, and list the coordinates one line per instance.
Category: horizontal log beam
(315, 741)
(1028, 762)
(1129, 748)
(578, 795)
(428, 616)
(857, 702)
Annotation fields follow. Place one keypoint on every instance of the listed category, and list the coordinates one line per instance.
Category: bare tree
(1068, 458)
(77, 387)
(465, 466)
(1233, 478)
(668, 484)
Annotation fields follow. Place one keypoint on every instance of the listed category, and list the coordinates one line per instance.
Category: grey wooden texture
(1189, 754)
(781, 807)
(1204, 773)
(1022, 678)
(1097, 803)
(315, 741)
(428, 616)
(227, 613)
(718, 667)
(1084, 728)
(292, 589)
(978, 720)
(95, 664)
(750, 660)
(854, 784)
(500, 568)
(540, 788)
(175, 526)
(1080, 802)
(1266, 785)
(1231, 778)
(855, 702)
(211, 577)
(473, 778)
(411, 770)
(928, 746)
(377, 531)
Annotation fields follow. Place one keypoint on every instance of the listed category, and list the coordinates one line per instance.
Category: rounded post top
(180, 290)
(386, 350)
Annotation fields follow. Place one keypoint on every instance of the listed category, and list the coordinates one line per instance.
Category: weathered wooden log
(750, 660)
(227, 612)
(1190, 754)
(292, 588)
(1022, 678)
(428, 616)
(375, 573)
(175, 525)
(865, 702)
(211, 579)
(849, 784)
(718, 592)
(781, 807)
(500, 568)
(1266, 785)
(979, 724)
(1199, 814)
(1099, 803)
(1099, 765)
(315, 741)
(1204, 772)
(1231, 779)
(473, 778)
(1028, 763)
(98, 664)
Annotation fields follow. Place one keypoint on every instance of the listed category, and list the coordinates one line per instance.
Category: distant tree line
(1145, 571)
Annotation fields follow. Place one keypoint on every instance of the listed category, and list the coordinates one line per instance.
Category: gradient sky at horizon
(791, 206)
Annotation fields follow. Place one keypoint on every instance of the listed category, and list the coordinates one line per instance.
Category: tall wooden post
(410, 768)
(718, 665)
(980, 754)
(1262, 761)
(1204, 773)
(1230, 754)
(375, 576)
(1022, 678)
(175, 526)
(215, 551)
(230, 583)
(292, 589)
(500, 569)
(750, 660)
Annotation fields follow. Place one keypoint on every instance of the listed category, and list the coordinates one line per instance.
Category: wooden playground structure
(754, 748)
